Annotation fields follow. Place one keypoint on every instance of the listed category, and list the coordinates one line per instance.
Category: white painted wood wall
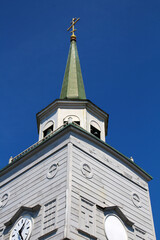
(111, 183)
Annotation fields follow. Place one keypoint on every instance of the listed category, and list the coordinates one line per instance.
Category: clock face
(22, 228)
(114, 228)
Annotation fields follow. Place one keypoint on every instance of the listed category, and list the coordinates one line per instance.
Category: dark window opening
(48, 131)
(95, 132)
(77, 122)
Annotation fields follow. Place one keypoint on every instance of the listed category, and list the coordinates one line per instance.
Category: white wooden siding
(111, 183)
(107, 187)
(32, 187)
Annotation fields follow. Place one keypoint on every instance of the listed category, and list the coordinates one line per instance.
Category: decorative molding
(74, 118)
(75, 104)
(117, 210)
(136, 200)
(127, 175)
(86, 170)
(111, 162)
(20, 211)
(48, 124)
(95, 124)
(4, 199)
(52, 170)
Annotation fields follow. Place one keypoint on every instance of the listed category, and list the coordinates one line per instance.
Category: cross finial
(74, 21)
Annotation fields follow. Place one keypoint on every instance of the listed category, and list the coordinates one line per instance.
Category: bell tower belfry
(73, 105)
(72, 185)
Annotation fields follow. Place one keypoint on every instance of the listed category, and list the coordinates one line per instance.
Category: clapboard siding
(109, 157)
(33, 158)
(31, 187)
(112, 184)
(107, 187)
(110, 193)
(143, 219)
(109, 173)
(99, 222)
(37, 169)
(109, 176)
(100, 167)
(36, 173)
(104, 192)
(43, 187)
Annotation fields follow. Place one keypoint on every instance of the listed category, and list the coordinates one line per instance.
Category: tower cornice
(73, 128)
(74, 103)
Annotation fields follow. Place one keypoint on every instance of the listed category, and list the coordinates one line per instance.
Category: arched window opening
(95, 129)
(74, 119)
(48, 128)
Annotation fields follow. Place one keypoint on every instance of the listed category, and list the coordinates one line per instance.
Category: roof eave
(92, 137)
(55, 103)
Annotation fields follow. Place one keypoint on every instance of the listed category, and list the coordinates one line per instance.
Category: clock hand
(21, 238)
(20, 231)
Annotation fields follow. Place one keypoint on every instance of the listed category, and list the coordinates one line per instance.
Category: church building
(71, 184)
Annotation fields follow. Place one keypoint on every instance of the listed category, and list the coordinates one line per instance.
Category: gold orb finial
(74, 21)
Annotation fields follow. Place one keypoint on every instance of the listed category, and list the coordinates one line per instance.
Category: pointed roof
(73, 87)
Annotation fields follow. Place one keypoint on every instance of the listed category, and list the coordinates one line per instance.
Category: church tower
(71, 184)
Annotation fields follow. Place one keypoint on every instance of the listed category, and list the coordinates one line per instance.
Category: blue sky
(119, 50)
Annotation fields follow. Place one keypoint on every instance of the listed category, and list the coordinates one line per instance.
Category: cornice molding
(21, 210)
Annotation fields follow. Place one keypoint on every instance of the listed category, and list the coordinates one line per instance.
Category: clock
(114, 228)
(22, 228)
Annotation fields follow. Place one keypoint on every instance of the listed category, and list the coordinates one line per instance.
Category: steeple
(73, 107)
(73, 87)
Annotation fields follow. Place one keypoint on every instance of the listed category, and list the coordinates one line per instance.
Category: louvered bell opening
(95, 132)
(48, 131)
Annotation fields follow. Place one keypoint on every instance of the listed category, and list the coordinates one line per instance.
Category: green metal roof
(73, 87)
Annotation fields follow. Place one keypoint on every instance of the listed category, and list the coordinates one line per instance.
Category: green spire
(73, 87)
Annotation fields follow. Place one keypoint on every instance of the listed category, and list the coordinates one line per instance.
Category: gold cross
(74, 21)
